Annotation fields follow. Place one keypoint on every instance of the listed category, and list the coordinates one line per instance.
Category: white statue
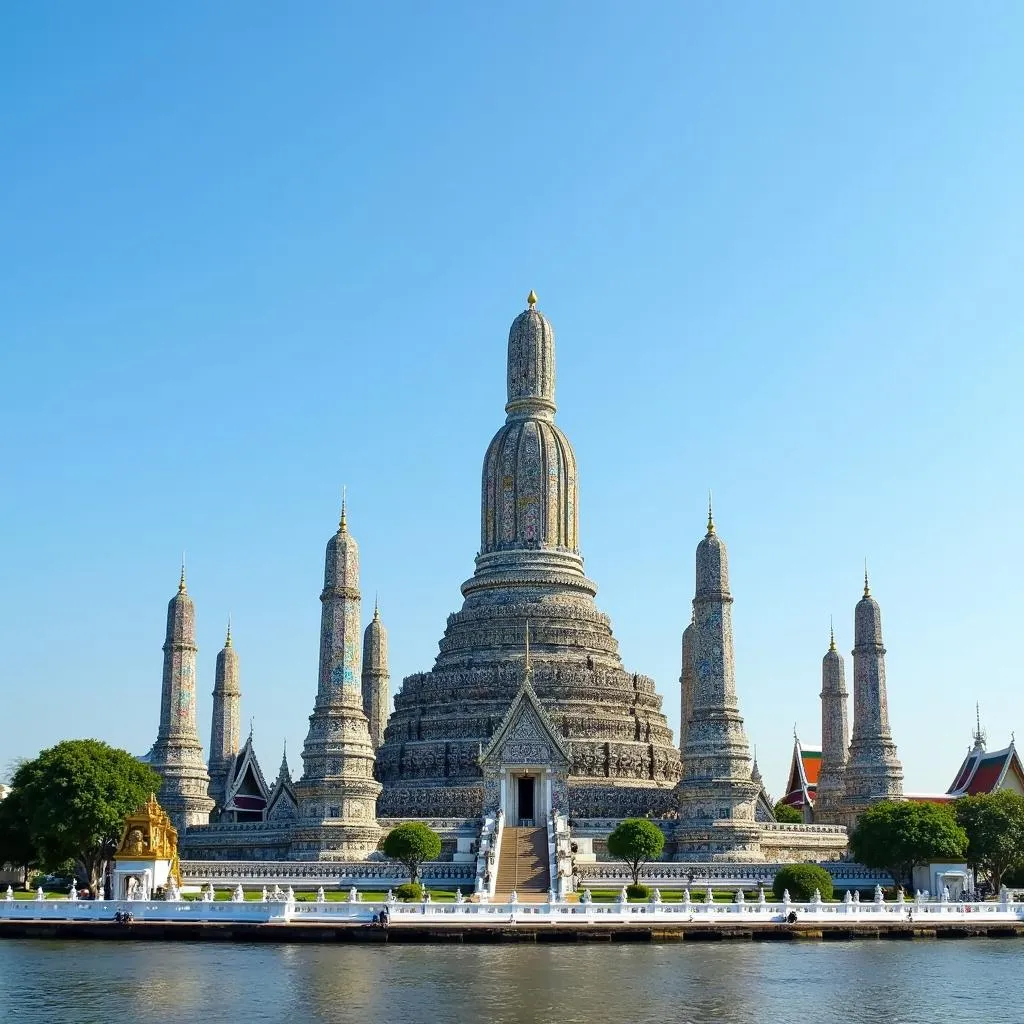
(656, 897)
(856, 896)
(945, 894)
(848, 898)
(785, 896)
(264, 900)
(73, 893)
(710, 896)
(587, 897)
(816, 898)
(290, 895)
(740, 898)
(900, 898)
(760, 895)
(879, 896)
(391, 896)
(39, 893)
(353, 895)
(238, 896)
(686, 897)
(459, 898)
(9, 895)
(320, 898)
(623, 896)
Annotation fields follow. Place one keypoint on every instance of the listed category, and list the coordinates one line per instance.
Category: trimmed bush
(636, 841)
(638, 892)
(410, 892)
(787, 814)
(801, 880)
(412, 844)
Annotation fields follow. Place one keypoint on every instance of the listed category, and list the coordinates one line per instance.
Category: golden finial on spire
(181, 582)
(343, 521)
(831, 634)
(711, 521)
(227, 639)
(531, 299)
(867, 589)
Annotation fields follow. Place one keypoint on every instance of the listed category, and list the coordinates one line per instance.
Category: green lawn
(675, 895)
(21, 894)
(330, 895)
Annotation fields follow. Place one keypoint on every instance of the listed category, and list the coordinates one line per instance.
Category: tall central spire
(529, 503)
(528, 569)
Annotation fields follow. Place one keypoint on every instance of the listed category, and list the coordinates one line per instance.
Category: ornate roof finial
(531, 299)
(979, 734)
(376, 607)
(181, 582)
(227, 639)
(343, 521)
(867, 589)
(251, 721)
(831, 635)
(711, 521)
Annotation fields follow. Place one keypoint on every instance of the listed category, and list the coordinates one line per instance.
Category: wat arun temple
(528, 708)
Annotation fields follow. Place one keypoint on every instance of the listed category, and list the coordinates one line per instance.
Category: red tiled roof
(981, 771)
(812, 765)
(249, 803)
(987, 774)
(964, 774)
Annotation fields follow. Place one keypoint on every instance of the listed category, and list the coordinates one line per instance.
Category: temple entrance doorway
(526, 788)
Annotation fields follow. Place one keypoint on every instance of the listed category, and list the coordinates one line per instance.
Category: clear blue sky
(253, 252)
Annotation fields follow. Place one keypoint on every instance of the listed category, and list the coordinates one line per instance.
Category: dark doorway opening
(525, 802)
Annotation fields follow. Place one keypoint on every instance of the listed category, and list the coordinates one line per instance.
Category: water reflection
(745, 983)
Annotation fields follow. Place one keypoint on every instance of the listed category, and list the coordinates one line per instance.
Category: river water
(922, 982)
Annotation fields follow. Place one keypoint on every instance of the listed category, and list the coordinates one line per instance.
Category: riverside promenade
(288, 920)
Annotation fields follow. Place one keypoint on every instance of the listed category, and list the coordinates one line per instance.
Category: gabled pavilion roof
(985, 772)
(246, 788)
(802, 787)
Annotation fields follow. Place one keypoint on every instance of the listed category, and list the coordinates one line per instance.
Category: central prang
(529, 569)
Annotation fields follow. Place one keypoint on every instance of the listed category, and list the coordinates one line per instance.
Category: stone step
(523, 864)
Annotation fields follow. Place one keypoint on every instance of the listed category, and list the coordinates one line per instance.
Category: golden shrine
(149, 836)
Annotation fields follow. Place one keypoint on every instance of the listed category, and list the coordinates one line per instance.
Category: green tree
(994, 823)
(787, 814)
(76, 797)
(16, 844)
(897, 836)
(636, 841)
(412, 844)
(801, 880)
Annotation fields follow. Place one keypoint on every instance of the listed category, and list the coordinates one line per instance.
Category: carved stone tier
(616, 734)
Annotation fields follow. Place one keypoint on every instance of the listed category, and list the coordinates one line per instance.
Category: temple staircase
(523, 865)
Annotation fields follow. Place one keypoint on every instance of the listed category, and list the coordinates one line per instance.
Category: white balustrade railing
(379, 874)
(488, 851)
(677, 874)
(560, 855)
(287, 910)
